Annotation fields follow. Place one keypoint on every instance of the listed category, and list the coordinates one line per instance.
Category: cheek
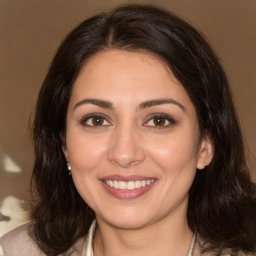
(85, 152)
(176, 153)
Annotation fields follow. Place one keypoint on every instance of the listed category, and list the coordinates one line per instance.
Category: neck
(160, 238)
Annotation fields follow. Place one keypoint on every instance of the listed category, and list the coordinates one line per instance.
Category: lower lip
(125, 193)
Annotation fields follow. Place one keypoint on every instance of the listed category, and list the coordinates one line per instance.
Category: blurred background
(30, 32)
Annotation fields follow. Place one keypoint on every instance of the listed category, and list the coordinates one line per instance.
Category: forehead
(117, 74)
(121, 62)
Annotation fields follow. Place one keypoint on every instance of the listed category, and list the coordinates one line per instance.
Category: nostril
(125, 149)
(126, 160)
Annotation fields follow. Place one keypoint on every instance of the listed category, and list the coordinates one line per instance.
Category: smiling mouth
(129, 185)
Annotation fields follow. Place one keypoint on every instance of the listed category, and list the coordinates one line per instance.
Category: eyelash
(164, 117)
(95, 115)
(103, 118)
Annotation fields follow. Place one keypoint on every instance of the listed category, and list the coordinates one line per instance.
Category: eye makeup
(159, 121)
(95, 120)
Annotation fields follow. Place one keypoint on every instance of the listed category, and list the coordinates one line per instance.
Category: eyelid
(91, 115)
(170, 119)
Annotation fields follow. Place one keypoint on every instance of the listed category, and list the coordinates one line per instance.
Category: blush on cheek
(175, 156)
(85, 158)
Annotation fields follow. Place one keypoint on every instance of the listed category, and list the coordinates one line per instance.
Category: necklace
(89, 250)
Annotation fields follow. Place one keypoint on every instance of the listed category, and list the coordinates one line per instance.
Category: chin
(128, 220)
(129, 224)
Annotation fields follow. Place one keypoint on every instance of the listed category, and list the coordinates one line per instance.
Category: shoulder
(18, 242)
(201, 245)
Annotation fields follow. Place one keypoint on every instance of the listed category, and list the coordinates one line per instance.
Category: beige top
(19, 243)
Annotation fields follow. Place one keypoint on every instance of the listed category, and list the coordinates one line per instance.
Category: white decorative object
(11, 207)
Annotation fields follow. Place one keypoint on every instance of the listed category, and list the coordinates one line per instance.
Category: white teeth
(122, 185)
(130, 185)
(116, 184)
(138, 184)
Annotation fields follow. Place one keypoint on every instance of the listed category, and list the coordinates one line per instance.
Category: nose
(126, 148)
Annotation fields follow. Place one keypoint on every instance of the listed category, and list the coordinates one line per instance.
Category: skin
(155, 140)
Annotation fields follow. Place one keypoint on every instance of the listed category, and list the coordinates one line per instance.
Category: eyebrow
(151, 103)
(97, 102)
(143, 105)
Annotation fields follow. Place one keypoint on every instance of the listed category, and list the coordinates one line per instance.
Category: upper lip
(126, 178)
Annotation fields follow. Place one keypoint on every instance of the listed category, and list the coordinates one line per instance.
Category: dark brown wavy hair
(222, 200)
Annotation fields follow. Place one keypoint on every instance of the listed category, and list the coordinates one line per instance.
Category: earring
(205, 164)
(69, 168)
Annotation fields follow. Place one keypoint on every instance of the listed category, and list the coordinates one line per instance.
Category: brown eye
(95, 121)
(159, 121)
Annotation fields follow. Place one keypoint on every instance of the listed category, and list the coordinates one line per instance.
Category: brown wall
(30, 32)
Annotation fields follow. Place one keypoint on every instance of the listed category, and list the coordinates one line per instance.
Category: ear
(64, 145)
(206, 152)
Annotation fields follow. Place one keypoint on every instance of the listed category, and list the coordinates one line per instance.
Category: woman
(137, 146)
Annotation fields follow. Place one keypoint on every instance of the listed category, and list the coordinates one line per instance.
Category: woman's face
(133, 140)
